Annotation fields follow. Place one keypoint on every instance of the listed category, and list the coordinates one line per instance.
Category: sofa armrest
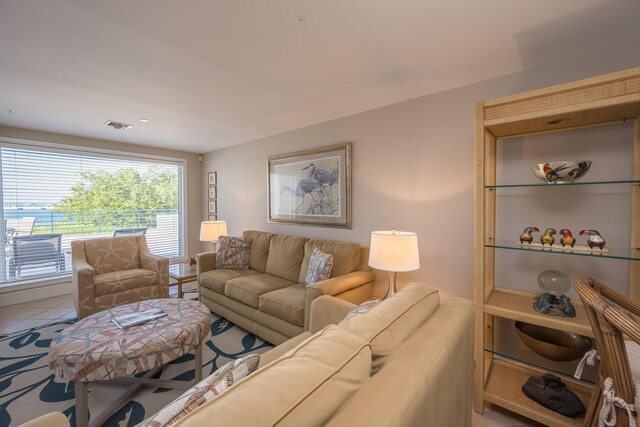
(82, 279)
(160, 265)
(52, 419)
(205, 261)
(328, 310)
(345, 284)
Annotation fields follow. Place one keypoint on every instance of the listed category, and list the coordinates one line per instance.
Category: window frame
(55, 147)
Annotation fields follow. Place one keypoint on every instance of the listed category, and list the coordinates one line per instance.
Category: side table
(182, 273)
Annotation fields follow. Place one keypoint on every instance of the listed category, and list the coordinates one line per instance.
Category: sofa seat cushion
(248, 289)
(118, 281)
(215, 279)
(333, 364)
(286, 304)
(285, 257)
(346, 256)
(388, 325)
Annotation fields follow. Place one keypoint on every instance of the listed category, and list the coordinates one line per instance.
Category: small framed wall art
(213, 207)
(212, 178)
(213, 192)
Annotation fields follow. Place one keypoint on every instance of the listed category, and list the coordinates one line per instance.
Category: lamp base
(392, 284)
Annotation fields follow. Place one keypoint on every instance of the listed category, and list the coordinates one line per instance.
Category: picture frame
(212, 192)
(311, 187)
(212, 178)
(213, 217)
(213, 207)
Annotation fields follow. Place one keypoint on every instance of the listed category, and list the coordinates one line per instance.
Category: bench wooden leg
(82, 408)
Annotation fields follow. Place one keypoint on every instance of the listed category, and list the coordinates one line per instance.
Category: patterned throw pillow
(233, 252)
(363, 308)
(207, 389)
(320, 265)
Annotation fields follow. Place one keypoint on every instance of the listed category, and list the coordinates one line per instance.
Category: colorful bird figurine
(526, 235)
(594, 240)
(567, 238)
(547, 237)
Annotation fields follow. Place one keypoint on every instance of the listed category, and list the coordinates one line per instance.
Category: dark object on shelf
(552, 343)
(550, 304)
(550, 392)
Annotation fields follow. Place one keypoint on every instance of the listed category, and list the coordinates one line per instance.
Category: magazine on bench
(123, 321)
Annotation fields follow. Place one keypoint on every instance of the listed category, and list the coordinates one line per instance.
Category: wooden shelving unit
(609, 99)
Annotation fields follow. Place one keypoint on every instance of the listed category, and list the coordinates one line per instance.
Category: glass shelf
(508, 345)
(629, 254)
(545, 184)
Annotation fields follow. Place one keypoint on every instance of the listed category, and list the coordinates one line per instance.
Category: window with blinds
(51, 197)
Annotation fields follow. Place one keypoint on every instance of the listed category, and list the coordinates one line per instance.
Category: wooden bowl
(552, 343)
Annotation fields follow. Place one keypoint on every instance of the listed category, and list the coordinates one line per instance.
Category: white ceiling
(210, 74)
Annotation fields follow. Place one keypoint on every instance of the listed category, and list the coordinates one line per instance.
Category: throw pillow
(363, 308)
(207, 389)
(320, 265)
(233, 252)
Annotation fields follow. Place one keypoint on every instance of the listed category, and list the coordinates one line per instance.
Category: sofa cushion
(259, 249)
(320, 265)
(249, 288)
(346, 256)
(215, 279)
(333, 364)
(114, 254)
(387, 325)
(285, 257)
(286, 304)
(233, 252)
(117, 281)
(206, 390)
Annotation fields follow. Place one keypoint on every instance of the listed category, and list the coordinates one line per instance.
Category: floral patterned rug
(28, 389)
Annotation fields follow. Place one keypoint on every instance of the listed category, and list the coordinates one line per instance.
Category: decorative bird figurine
(567, 238)
(547, 237)
(594, 240)
(526, 234)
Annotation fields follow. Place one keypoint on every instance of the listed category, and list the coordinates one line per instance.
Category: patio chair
(21, 226)
(39, 251)
(609, 319)
(130, 232)
(114, 271)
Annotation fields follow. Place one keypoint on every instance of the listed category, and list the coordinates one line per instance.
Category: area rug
(28, 389)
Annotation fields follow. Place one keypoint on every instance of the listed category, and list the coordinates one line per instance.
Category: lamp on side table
(210, 231)
(394, 251)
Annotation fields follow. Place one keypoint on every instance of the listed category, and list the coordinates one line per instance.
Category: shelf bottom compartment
(504, 388)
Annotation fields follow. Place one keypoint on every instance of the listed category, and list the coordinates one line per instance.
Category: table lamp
(210, 231)
(394, 251)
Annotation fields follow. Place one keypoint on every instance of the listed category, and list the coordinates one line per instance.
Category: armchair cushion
(119, 281)
(114, 254)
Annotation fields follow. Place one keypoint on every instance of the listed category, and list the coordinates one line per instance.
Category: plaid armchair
(114, 271)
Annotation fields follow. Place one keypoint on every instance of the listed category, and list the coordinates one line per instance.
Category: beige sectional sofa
(270, 299)
(407, 362)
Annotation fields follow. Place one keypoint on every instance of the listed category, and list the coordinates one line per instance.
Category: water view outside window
(50, 198)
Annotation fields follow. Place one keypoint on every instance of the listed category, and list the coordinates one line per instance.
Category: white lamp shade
(394, 251)
(210, 231)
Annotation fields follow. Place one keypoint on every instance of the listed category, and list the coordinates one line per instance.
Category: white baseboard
(33, 291)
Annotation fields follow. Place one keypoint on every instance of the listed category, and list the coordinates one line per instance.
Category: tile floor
(36, 313)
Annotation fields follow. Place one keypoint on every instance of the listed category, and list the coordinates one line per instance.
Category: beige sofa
(270, 299)
(407, 362)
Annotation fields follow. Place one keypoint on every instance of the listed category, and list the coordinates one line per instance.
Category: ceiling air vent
(117, 125)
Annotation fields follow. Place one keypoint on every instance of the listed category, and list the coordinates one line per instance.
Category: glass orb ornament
(554, 282)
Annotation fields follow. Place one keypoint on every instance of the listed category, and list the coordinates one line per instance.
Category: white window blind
(50, 198)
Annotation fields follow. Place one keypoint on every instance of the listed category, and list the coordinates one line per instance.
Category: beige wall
(193, 185)
(412, 169)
